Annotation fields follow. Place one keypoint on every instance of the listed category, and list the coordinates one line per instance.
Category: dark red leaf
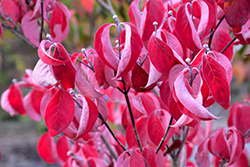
(161, 55)
(216, 77)
(59, 112)
(66, 72)
(237, 12)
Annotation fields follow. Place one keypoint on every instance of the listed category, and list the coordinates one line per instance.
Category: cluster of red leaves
(160, 49)
(27, 13)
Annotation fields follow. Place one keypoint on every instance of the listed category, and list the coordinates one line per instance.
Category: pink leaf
(185, 29)
(1, 30)
(42, 74)
(10, 8)
(27, 26)
(59, 112)
(30, 111)
(220, 41)
(135, 14)
(187, 103)
(201, 156)
(83, 86)
(5, 104)
(88, 117)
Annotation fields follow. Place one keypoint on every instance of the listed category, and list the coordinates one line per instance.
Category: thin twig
(183, 142)
(19, 35)
(247, 133)
(42, 22)
(108, 6)
(213, 31)
(224, 161)
(165, 135)
(125, 93)
(112, 153)
(228, 45)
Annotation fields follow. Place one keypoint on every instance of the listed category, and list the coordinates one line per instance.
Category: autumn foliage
(153, 82)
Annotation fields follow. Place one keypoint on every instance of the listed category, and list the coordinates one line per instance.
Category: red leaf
(153, 11)
(59, 112)
(16, 99)
(47, 149)
(139, 78)
(62, 147)
(136, 159)
(237, 12)
(46, 56)
(88, 5)
(66, 72)
(59, 22)
(131, 51)
(157, 124)
(161, 55)
(36, 96)
(9, 8)
(154, 160)
(27, 26)
(220, 41)
(185, 29)
(216, 77)
(88, 117)
(142, 132)
(104, 48)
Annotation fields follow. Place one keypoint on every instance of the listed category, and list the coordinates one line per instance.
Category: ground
(18, 141)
